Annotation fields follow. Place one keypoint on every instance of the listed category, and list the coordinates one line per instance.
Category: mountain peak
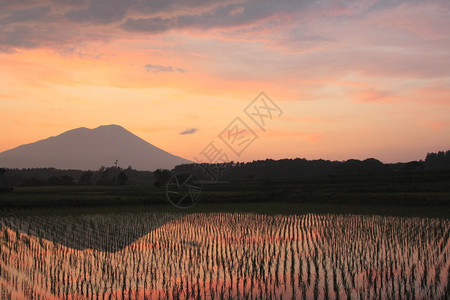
(89, 149)
(109, 127)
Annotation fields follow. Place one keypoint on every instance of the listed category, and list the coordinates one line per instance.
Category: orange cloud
(340, 71)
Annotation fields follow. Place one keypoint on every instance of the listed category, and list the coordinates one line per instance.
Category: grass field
(422, 193)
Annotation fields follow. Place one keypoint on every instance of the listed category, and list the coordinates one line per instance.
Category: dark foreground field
(421, 193)
(344, 237)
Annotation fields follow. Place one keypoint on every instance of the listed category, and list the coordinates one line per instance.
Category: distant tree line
(56, 177)
(259, 169)
(4, 186)
(283, 168)
(300, 167)
(437, 160)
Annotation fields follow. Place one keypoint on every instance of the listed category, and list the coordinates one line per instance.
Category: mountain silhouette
(89, 149)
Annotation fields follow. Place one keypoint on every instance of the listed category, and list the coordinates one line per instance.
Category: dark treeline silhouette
(283, 168)
(161, 176)
(437, 160)
(41, 176)
(55, 177)
(260, 169)
(300, 167)
(4, 185)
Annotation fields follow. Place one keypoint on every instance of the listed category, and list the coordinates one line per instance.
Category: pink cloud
(437, 125)
(373, 95)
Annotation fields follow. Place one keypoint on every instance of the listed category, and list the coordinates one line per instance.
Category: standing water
(221, 255)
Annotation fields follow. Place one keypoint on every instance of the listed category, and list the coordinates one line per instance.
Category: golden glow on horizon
(364, 92)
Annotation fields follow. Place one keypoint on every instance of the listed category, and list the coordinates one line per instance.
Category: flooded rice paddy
(224, 256)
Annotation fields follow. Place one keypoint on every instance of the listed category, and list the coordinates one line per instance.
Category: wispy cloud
(189, 131)
(336, 67)
(158, 69)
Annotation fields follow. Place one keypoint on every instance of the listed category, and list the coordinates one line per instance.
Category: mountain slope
(89, 149)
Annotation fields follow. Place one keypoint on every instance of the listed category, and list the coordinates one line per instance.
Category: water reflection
(102, 232)
(218, 256)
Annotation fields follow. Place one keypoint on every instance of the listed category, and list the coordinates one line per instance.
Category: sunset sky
(354, 79)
